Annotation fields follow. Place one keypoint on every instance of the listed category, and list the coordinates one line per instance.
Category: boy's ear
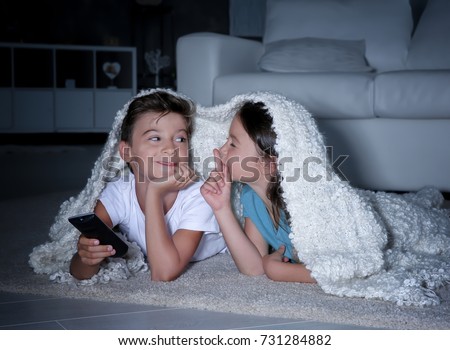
(124, 150)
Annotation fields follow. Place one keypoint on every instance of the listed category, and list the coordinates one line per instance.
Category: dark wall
(112, 22)
(81, 22)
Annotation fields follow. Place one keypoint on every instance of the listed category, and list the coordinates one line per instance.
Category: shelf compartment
(74, 69)
(33, 68)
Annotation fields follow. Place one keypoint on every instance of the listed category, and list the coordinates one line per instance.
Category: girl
(160, 206)
(249, 156)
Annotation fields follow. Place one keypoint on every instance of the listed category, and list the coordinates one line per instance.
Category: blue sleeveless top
(254, 208)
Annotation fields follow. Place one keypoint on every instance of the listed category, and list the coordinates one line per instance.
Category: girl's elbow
(272, 276)
(273, 271)
(255, 271)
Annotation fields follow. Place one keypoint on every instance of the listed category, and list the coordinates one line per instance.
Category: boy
(160, 205)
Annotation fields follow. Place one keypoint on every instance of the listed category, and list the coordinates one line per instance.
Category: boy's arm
(278, 270)
(168, 255)
(86, 261)
(82, 271)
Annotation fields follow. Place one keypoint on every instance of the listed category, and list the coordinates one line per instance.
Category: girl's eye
(154, 138)
(181, 139)
(230, 142)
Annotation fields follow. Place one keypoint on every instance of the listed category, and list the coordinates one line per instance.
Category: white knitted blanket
(356, 243)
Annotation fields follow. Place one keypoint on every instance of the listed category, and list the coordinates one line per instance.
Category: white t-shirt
(190, 211)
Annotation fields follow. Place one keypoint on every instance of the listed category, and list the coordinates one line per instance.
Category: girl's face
(159, 145)
(240, 155)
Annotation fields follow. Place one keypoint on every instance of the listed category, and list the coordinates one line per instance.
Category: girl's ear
(125, 151)
(273, 168)
(270, 165)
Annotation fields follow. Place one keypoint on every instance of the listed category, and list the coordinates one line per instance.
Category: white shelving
(61, 88)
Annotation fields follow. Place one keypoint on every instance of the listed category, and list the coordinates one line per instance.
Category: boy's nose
(169, 149)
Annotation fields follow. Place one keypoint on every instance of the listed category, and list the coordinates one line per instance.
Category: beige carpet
(214, 284)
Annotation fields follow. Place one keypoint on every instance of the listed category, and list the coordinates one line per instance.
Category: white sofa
(387, 108)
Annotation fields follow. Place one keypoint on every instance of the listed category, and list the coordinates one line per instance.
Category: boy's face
(159, 145)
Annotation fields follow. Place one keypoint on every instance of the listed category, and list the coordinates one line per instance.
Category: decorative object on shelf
(112, 70)
(156, 62)
(70, 83)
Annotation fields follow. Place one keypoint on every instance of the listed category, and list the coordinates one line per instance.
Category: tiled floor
(70, 167)
(26, 312)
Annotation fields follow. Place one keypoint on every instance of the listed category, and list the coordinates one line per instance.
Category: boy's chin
(162, 177)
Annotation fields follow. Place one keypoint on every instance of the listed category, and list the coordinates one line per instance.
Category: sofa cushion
(430, 45)
(385, 25)
(413, 94)
(325, 95)
(314, 55)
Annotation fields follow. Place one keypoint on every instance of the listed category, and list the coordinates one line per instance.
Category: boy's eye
(181, 139)
(154, 138)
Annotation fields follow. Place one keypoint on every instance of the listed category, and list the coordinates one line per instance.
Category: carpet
(213, 284)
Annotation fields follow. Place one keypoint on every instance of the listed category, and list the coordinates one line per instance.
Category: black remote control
(92, 227)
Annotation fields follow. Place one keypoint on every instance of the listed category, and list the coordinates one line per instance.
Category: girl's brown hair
(257, 122)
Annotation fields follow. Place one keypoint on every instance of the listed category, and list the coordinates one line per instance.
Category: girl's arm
(86, 261)
(246, 247)
(279, 270)
(168, 255)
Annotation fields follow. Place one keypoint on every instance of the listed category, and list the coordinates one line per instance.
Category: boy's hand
(182, 177)
(217, 188)
(91, 252)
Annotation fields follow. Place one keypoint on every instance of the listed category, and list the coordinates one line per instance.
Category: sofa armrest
(201, 57)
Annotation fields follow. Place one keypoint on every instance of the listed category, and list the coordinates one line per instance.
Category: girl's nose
(223, 150)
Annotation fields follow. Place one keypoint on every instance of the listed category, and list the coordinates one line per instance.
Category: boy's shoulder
(191, 194)
(121, 183)
(193, 188)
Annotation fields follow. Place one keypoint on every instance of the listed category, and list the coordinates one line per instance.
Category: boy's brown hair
(159, 102)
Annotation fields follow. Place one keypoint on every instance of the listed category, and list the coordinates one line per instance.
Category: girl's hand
(90, 251)
(276, 268)
(277, 255)
(217, 188)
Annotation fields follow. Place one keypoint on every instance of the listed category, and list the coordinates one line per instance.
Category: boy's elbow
(163, 277)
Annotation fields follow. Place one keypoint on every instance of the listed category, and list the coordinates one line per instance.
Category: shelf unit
(63, 88)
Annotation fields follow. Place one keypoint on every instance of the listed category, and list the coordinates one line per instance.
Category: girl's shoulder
(246, 190)
(248, 194)
(251, 202)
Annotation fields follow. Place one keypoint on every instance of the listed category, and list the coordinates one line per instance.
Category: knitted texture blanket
(356, 243)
